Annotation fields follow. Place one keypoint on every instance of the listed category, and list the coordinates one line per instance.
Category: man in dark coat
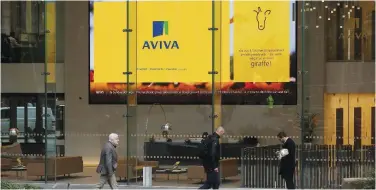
(287, 157)
(108, 163)
(211, 161)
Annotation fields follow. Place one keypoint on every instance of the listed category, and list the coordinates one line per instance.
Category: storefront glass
(165, 75)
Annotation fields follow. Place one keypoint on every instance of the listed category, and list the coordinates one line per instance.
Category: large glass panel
(260, 93)
(22, 32)
(174, 97)
(88, 127)
(162, 73)
(350, 30)
(22, 135)
(23, 148)
(22, 26)
(338, 92)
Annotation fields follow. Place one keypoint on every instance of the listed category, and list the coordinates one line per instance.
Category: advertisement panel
(161, 36)
(174, 43)
(254, 89)
(261, 41)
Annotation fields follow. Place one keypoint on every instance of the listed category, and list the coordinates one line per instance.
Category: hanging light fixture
(165, 128)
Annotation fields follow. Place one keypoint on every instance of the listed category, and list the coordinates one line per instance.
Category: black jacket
(287, 164)
(108, 160)
(212, 160)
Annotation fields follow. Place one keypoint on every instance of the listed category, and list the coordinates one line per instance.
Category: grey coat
(108, 160)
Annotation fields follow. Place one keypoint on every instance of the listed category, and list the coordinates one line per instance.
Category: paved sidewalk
(121, 186)
(92, 186)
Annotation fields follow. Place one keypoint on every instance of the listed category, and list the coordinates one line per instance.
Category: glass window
(22, 28)
(5, 113)
(350, 30)
(20, 112)
(23, 32)
(31, 112)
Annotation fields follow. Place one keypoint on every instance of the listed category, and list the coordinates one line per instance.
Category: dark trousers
(212, 180)
(289, 179)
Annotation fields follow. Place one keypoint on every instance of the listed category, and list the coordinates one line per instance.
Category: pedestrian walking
(210, 156)
(108, 162)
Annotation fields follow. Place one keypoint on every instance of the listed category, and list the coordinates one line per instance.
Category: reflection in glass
(350, 30)
(22, 32)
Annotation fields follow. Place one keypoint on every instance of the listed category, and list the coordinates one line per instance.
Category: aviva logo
(160, 28)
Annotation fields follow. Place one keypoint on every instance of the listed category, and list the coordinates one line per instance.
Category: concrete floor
(89, 178)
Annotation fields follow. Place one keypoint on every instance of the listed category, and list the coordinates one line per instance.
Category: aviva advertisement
(174, 43)
(160, 28)
(171, 47)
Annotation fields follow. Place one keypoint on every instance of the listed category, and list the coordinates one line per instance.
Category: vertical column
(29, 17)
(131, 80)
(5, 17)
(50, 40)
(132, 55)
(301, 56)
(217, 107)
(50, 88)
(313, 61)
(15, 20)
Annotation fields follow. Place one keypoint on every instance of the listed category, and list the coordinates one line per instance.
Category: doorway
(357, 127)
(339, 126)
(373, 125)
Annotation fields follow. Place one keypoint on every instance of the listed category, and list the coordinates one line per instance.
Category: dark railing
(324, 166)
(167, 153)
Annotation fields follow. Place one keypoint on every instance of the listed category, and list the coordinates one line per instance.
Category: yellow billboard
(174, 43)
(261, 41)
